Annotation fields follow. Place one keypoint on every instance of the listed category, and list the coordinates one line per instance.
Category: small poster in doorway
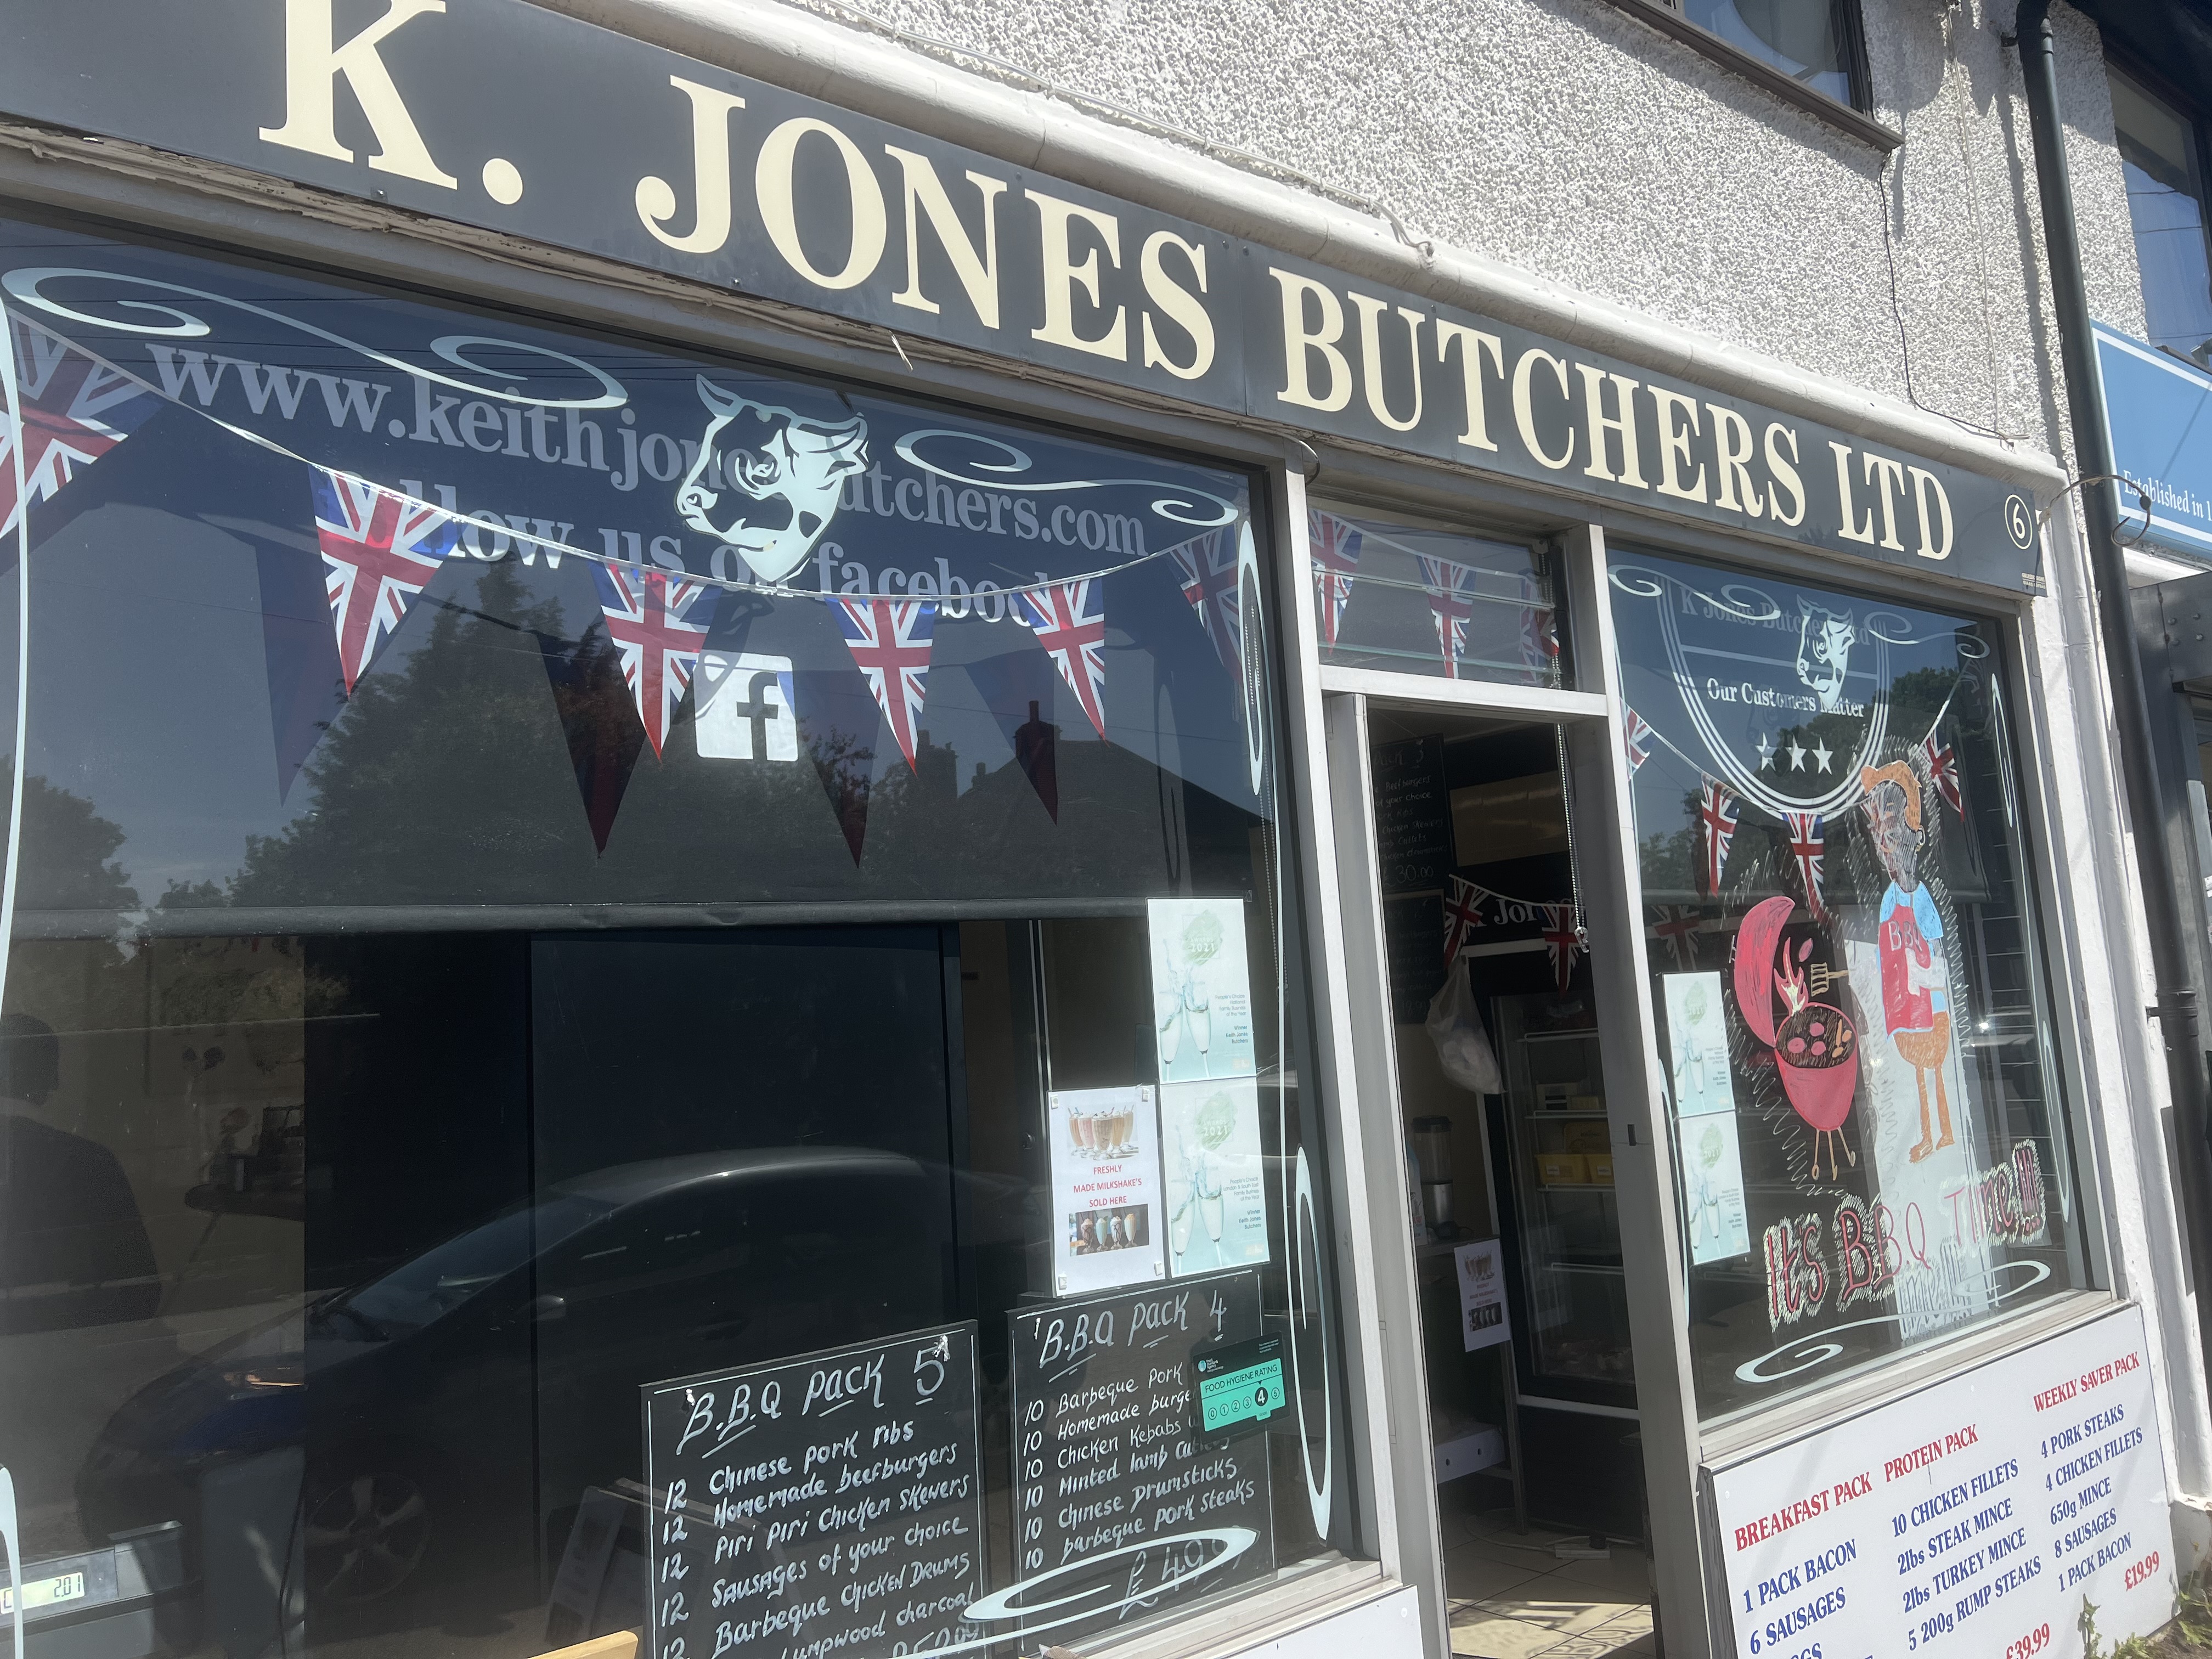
(1483, 1321)
(1202, 988)
(1105, 1189)
(1216, 1198)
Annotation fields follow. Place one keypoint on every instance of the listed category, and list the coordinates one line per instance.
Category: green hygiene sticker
(1240, 1385)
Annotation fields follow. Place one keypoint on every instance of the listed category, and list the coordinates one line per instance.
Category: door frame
(1611, 886)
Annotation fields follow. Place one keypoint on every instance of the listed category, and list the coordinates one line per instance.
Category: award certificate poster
(1215, 1196)
(1106, 1215)
(1202, 988)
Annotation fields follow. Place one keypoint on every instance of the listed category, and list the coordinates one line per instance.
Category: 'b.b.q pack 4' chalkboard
(1120, 1509)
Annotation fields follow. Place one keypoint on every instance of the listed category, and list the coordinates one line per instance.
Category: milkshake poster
(1216, 1200)
(1105, 1189)
(1202, 988)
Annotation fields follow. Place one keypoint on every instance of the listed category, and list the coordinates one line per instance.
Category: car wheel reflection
(365, 1536)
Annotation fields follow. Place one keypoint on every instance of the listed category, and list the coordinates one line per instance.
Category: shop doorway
(1516, 1238)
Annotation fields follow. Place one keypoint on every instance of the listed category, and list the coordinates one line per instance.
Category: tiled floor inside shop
(1513, 1598)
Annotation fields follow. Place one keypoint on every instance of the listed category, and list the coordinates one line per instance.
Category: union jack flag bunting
(658, 620)
(1334, 546)
(380, 550)
(1464, 904)
(1562, 938)
(1807, 830)
(1451, 601)
(1540, 632)
(1678, 925)
(75, 411)
(1944, 772)
(1717, 816)
(1635, 737)
(1069, 622)
(890, 640)
(1208, 567)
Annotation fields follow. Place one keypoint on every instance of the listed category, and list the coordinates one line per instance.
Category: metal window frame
(1855, 118)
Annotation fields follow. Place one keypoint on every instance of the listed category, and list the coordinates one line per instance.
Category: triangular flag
(1635, 737)
(1540, 632)
(658, 620)
(890, 640)
(380, 550)
(1944, 772)
(75, 411)
(1036, 751)
(1464, 903)
(1334, 546)
(1717, 816)
(1207, 565)
(1069, 619)
(1562, 938)
(1678, 925)
(1806, 832)
(1451, 589)
(599, 718)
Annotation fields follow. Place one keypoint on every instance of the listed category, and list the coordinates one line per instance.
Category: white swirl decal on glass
(1008, 1603)
(1893, 629)
(153, 320)
(1817, 1348)
(1180, 506)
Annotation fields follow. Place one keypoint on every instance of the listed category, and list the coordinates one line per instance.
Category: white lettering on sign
(313, 68)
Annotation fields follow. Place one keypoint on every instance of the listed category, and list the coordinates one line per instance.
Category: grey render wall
(1567, 138)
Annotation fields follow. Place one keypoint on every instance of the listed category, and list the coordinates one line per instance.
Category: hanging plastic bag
(1454, 1024)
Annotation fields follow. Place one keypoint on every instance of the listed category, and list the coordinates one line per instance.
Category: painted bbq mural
(1831, 851)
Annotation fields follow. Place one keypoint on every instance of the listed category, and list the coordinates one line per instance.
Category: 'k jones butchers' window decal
(713, 570)
(1846, 971)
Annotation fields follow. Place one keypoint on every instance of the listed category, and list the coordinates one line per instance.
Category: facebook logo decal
(746, 708)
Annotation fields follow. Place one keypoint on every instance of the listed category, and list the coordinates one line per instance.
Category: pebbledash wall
(1561, 166)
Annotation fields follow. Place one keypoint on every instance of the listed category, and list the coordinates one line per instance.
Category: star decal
(1796, 756)
(1765, 752)
(1822, 753)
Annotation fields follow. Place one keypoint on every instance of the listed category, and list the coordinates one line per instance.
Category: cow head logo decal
(785, 474)
(1825, 639)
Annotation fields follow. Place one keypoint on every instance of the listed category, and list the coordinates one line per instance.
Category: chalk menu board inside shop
(831, 1502)
(1413, 934)
(1116, 1502)
(1412, 815)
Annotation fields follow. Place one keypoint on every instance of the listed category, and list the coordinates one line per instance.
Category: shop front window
(1867, 1117)
(1402, 597)
(642, 996)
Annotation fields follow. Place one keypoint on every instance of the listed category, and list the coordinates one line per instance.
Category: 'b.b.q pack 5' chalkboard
(831, 1502)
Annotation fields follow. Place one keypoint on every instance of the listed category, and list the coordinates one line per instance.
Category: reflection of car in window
(496, 1374)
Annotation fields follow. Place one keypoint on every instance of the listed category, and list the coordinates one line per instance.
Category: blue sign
(2160, 411)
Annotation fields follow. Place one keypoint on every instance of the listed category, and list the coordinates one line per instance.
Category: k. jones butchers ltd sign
(499, 114)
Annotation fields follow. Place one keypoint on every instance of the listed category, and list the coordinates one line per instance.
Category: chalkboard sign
(1118, 1508)
(831, 1503)
(1413, 934)
(1412, 815)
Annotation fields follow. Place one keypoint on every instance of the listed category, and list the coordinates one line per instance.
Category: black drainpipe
(2151, 814)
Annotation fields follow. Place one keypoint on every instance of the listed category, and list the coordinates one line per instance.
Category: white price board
(1972, 1517)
